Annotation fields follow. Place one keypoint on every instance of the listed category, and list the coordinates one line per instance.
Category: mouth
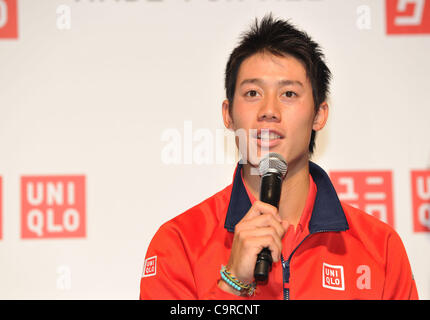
(268, 137)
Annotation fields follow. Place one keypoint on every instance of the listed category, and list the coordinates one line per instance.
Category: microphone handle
(270, 192)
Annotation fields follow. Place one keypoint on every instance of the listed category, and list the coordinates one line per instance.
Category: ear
(320, 117)
(228, 121)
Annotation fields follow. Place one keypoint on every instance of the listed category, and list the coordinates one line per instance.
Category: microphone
(273, 169)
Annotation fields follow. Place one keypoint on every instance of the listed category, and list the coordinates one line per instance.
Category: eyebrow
(280, 82)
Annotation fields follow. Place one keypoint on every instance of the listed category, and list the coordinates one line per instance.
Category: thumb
(285, 224)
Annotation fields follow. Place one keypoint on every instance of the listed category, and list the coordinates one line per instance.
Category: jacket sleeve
(399, 281)
(172, 278)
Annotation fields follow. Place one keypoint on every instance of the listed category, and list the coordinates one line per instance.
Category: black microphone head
(273, 163)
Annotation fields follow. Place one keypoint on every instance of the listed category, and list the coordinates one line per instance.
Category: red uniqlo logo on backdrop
(408, 16)
(370, 191)
(52, 207)
(8, 19)
(420, 180)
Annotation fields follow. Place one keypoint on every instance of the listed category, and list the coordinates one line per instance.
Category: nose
(269, 111)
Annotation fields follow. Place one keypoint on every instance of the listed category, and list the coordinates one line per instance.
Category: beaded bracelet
(243, 288)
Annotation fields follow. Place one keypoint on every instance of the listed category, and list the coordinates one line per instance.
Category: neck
(294, 191)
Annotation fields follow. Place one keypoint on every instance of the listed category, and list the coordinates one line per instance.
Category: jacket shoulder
(374, 234)
(360, 221)
(211, 210)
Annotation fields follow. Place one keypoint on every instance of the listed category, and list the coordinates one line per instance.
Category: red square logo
(420, 180)
(150, 267)
(8, 19)
(53, 207)
(333, 277)
(408, 16)
(370, 191)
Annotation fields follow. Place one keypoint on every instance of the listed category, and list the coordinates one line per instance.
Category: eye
(290, 94)
(252, 93)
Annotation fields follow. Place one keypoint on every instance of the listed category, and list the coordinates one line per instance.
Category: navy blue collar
(327, 214)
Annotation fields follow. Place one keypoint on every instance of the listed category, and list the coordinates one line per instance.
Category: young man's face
(274, 93)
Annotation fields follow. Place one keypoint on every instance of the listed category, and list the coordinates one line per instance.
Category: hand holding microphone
(260, 229)
(273, 169)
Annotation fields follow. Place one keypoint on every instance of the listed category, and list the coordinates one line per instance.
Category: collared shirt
(344, 254)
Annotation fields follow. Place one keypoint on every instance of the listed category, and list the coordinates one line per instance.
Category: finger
(266, 220)
(285, 224)
(266, 241)
(259, 208)
(261, 221)
(257, 239)
(262, 232)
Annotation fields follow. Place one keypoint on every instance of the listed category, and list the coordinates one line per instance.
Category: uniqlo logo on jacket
(150, 267)
(8, 19)
(52, 207)
(370, 191)
(420, 180)
(332, 277)
(408, 16)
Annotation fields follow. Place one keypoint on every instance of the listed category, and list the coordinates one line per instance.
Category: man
(276, 85)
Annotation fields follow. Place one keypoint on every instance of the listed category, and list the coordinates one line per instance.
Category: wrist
(226, 288)
(236, 286)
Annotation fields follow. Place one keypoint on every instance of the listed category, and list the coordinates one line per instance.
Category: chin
(253, 159)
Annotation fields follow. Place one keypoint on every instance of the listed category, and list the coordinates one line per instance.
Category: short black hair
(281, 38)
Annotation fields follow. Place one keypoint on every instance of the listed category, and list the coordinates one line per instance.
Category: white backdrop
(98, 88)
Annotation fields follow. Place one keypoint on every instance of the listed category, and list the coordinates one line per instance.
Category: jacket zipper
(286, 277)
(286, 264)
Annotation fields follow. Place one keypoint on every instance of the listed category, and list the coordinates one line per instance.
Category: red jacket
(343, 252)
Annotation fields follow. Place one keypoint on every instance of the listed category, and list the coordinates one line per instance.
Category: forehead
(267, 66)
